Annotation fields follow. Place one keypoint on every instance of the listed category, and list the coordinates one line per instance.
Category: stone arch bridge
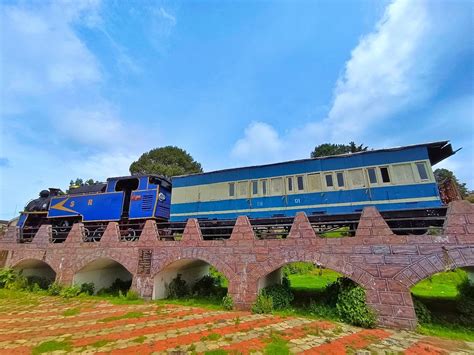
(385, 264)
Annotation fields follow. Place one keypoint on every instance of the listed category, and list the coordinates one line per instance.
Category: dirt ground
(51, 324)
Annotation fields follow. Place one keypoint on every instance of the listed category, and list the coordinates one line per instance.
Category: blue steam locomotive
(391, 179)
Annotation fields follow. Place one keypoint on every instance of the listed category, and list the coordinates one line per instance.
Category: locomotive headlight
(161, 196)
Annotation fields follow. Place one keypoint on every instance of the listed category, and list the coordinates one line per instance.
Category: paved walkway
(87, 326)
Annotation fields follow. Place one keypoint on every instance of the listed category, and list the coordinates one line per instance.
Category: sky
(87, 86)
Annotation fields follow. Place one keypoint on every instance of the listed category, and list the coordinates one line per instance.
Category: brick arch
(126, 261)
(19, 261)
(355, 273)
(431, 264)
(209, 258)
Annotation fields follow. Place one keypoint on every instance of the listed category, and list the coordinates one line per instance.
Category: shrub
(351, 306)
(263, 304)
(322, 310)
(7, 276)
(465, 303)
(55, 289)
(281, 295)
(42, 282)
(206, 286)
(298, 268)
(117, 286)
(132, 295)
(88, 288)
(71, 291)
(20, 282)
(178, 288)
(422, 312)
(227, 302)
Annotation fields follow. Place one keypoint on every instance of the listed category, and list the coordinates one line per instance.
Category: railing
(271, 228)
(216, 230)
(170, 231)
(417, 221)
(26, 234)
(59, 233)
(130, 231)
(93, 232)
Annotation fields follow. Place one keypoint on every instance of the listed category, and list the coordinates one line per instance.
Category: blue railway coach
(391, 179)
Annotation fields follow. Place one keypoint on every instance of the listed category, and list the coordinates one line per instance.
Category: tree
(327, 149)
(442, 175)
(168, 161)
(80, 182)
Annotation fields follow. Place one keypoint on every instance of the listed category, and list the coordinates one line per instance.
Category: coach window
(255, 187)
(290, 183)
(385, 174)
(300, 182)
(422, 171)
(402, 174)
(264, 187)
(340, 179)
(242, 188)
(372, 175)
(314, 182)
(329, 181)
(231, 189)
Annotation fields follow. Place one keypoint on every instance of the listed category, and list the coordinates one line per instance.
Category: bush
(206, 286)
(298, 268)
(351, 306)
(178, 288)
(19, 283)
(322, 310)
(42, 282)
(465, 304)
(131, 295)
(117, 286)
(88, 288)
(263, 304)
(71, 291)
(7, 276)
(422, 312)
(55, 289)
(281, 295)
(227, 302)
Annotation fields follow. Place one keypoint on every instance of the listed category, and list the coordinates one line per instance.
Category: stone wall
(386, 265)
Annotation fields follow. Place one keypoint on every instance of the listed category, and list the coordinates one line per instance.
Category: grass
(277, 346)
(313, 281)
(450, 331)
(141, 339)
(442, 285)
(128, 315)
(208, 303)
(212, 336)
(53, 345)
(71, 312)
(100, 343)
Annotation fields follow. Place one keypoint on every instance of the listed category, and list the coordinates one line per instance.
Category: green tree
(168, 161)
(80, 182)
(327, 149)
(442, 175)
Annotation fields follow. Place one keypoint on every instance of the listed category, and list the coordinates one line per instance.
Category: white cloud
(397, 66)
(260, 143)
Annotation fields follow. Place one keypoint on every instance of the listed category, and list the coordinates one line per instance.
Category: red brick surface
(386, 265)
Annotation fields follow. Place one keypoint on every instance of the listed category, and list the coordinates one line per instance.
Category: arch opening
(36, 271)
(189, 278)
(445, 301)
(107, 276)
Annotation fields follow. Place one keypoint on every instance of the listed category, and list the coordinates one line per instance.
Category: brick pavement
(98, 326)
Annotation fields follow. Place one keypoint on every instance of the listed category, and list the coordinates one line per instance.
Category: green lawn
(442, 285)
(313, 281)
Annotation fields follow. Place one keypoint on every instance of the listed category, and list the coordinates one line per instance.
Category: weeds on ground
(50, 346)
(128, 315)
(71, 312)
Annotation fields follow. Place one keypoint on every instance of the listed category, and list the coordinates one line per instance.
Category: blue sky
(87, 86)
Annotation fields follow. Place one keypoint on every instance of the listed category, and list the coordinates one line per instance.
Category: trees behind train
(168, 161)
(441, 175)
(327, 149)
